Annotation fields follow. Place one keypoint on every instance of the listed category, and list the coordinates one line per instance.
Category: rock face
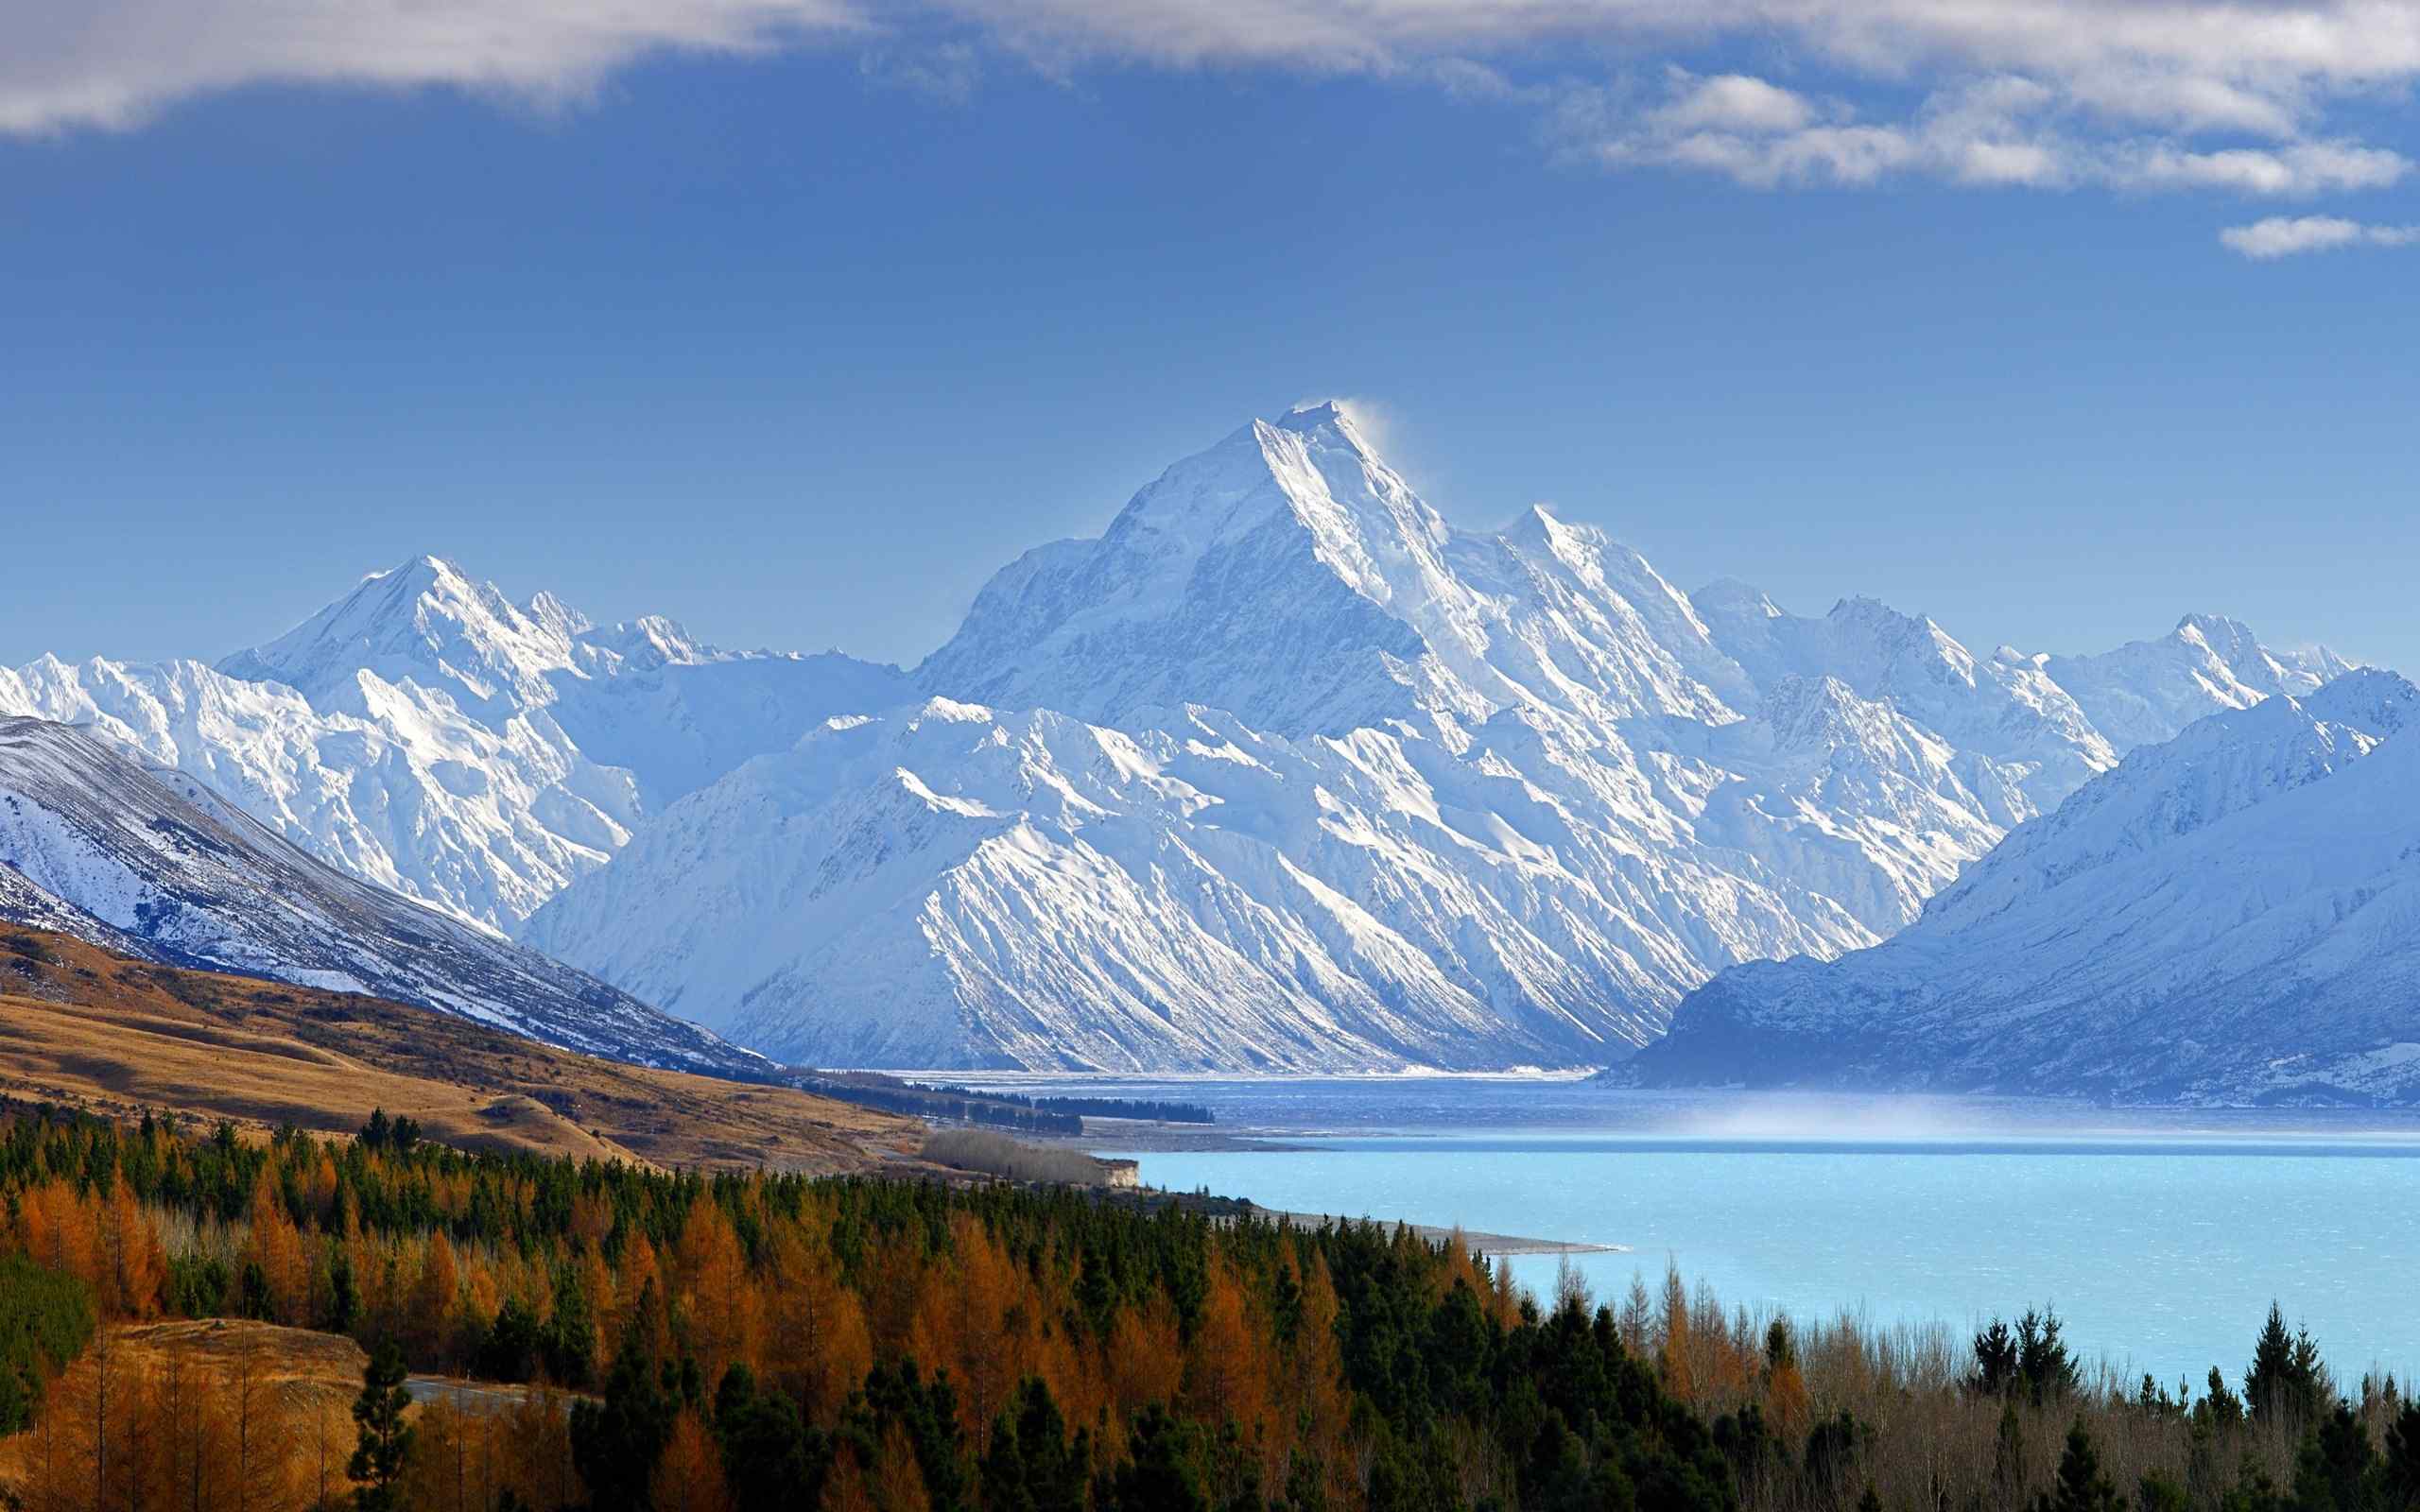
(154, 865)
(2233, 915)
(1281, 771)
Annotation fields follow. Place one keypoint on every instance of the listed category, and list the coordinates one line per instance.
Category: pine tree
(1994, 1360)
(385, 1442)
(2400, 1476)
(2049, 1372)
(2332, 1471)
(2284, 1380)
(2081, 1487)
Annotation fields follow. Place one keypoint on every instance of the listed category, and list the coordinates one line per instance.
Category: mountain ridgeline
(1281, 772)
(151, 864)
(2231, 916)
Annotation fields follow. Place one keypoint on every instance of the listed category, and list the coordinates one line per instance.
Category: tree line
(680, 1343)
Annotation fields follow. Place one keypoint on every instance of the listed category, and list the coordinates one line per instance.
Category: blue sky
(797, 334)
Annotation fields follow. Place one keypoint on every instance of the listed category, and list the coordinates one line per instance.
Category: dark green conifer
(386, 1440)
(2081, 1487)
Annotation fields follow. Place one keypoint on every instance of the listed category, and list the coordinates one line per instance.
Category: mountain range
(153, 864)
(1282, 771)
(2231, 915)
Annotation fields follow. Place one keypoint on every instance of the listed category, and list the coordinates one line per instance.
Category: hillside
(148, 862)
(2227, 917)
(80, 1025)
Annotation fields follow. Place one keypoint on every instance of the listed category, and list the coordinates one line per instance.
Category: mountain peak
(2229, 638)
(1327, 413)
(426, 621)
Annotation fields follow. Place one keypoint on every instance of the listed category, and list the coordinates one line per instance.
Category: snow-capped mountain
(948, 886)
(2021, 742)
(1288, 577)
(1282, 769)
(2145, 691)
(154, 865)
(428, 735)
(2233, 914)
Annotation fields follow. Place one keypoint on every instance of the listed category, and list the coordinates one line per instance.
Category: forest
(624, 1339)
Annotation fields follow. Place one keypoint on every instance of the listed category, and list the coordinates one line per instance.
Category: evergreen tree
(2081, 1485)
(2400, 1476)
(2049, 1372)
(2157, 1493)
(2283, 1381)
(2332, 1473)
(770, 1457)
(2221, 1410)
(1162, 1472)
(1996, 1357)
(386, 1440)
(1031, 1466)
(615, 1443)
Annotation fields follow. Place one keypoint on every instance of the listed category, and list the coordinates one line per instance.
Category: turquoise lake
(2160, 1237)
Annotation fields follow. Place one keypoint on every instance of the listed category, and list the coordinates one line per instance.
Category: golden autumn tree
(431, 1307)
(134, 1266)
(257, 1444)
(189, 1434)
(1784, 1385)
(717, 1296)
(968, 1321)
(1227, 1367)
(1146, 1358)
(689, 1476)
(55, 1457)
(820, 1348)
(1675, 1357)
(896, 1483)
(274, 1245)
(536, 1462)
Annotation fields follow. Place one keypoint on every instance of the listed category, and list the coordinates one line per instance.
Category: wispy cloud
(2249, 97)
(2287, 236)
(115, 64)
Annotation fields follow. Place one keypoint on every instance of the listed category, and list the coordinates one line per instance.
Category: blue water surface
(2159, 1236)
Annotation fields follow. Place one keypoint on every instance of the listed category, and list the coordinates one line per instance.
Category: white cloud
(2286, 237)
(2001, 131)
(2247, 98)
(2302, 168)
(114, 63)
(1733, 102)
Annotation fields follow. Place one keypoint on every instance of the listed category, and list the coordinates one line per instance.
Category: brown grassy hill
(308, 1381)
(80, 1025)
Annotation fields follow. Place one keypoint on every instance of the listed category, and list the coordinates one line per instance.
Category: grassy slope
(80, 1025)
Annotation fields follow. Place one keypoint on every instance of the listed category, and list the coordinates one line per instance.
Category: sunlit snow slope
(152, 863)
(1284, 771)
(2233, 914)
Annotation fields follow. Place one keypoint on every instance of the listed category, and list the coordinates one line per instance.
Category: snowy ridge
(1281, 770)
(948, 885)
(2231, 915)
(427, 735)
(155, 865)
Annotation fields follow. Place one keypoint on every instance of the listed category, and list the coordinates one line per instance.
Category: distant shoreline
(1486, 1243)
